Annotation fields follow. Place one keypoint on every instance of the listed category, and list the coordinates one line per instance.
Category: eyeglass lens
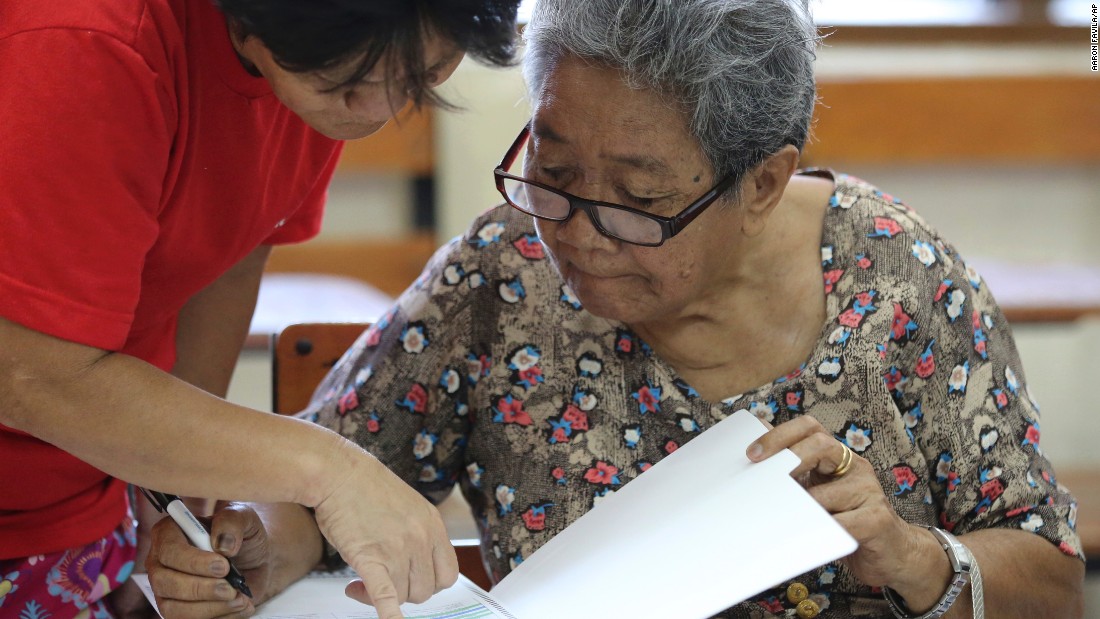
(616, 222)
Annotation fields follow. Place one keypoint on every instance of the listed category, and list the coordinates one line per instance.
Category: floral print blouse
(489, 373)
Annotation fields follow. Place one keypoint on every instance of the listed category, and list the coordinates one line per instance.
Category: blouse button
(797, 592)
(807, 609)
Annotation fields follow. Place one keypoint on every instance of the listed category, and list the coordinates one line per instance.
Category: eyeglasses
(613, 220)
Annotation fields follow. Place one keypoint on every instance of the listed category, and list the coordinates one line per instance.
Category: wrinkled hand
(855, 498)
(389, 534)
(190, 583)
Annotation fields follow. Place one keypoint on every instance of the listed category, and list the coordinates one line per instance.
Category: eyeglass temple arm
(683, 219)
(513, 152)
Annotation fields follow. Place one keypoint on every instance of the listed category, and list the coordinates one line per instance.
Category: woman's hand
(888, 546)
(190, 583)
(389, 534)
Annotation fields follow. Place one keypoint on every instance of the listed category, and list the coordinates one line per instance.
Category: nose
(581, 232)
(370, 107)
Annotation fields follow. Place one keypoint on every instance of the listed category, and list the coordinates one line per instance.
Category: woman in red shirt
(151, 153)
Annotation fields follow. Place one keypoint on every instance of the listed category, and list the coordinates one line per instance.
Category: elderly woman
(663, 264)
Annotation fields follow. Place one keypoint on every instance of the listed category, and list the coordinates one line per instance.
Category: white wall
(471, 143)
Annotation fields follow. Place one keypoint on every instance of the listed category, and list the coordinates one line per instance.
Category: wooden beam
(987, 120)
(1049, 314)
(1006, 34)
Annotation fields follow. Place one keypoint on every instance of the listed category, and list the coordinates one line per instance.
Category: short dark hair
(312, 35)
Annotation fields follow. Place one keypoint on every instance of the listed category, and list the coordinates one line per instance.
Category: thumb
(235, 530)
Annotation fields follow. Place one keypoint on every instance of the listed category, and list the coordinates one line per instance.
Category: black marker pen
(193, 529)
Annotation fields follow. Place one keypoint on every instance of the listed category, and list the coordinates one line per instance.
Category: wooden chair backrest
(303, 355)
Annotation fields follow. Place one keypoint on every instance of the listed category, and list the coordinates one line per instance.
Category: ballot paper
(320, 595)
(700, 531)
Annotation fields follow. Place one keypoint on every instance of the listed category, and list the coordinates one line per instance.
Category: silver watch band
(977, 589)
(965, 570)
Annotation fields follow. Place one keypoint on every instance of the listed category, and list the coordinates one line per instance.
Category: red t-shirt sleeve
(306, 221)
(86, 129)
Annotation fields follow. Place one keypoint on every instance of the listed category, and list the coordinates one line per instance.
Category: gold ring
(845, 462)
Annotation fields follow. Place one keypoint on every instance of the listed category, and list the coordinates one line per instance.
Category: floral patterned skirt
(71, 583)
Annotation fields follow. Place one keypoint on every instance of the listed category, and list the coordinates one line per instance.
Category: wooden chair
(302, 356)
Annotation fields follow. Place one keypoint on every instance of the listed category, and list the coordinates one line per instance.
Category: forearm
(142, 425)
(1024, 576)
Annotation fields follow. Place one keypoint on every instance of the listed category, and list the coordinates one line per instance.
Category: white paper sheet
(321, 596)
(700, 531)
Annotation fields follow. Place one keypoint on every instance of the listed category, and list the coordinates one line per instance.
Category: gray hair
(740, 70)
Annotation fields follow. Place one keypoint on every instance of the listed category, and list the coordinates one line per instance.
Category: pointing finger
(378, 590)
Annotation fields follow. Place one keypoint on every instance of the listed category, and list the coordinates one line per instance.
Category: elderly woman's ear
(763, 188)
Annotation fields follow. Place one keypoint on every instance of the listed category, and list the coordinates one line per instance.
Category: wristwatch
(962, 562)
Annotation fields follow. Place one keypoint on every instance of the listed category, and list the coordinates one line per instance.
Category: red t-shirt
(138, 162)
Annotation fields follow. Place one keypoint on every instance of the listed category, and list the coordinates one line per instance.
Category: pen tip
(237, 580)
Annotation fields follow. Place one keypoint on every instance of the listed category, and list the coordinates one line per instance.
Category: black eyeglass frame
(670, 226)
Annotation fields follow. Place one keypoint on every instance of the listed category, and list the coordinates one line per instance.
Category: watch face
(957, 553)
(961, 562)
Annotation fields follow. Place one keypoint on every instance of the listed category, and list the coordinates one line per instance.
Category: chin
(600, 301)
(618, 304)
(348, 131)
